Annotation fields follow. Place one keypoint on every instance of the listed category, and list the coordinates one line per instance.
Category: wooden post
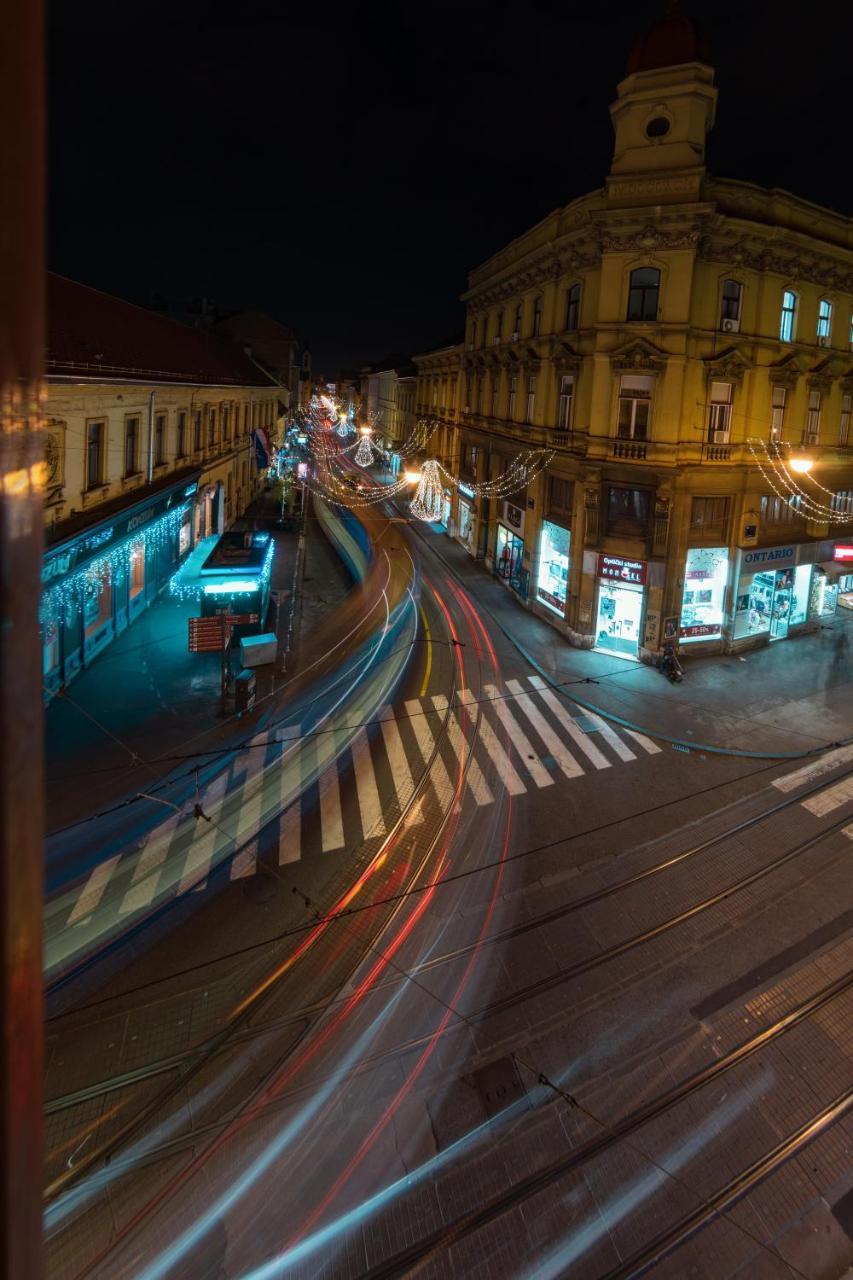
(22, 343)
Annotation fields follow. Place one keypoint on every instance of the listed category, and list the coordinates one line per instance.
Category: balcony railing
(634, 449)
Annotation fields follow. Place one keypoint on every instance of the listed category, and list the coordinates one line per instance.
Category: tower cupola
(663, 111)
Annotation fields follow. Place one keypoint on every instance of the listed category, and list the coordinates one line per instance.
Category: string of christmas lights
(791, 492)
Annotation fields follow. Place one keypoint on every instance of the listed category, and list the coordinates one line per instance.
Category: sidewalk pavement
(146, 696)
(793, 696)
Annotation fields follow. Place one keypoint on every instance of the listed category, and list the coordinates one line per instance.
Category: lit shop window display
(772, 601)
(706, 573)
(552, 580)
(824, 595)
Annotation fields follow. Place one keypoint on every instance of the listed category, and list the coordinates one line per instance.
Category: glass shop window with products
(553, 574)
(706, 573)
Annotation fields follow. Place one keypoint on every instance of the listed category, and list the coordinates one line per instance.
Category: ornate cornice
(786, 260)
(649, 239)
(548, 266)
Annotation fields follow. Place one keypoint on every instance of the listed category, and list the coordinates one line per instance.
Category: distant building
(148, 448)
(664, 336)
(277, 348)
(388, 395)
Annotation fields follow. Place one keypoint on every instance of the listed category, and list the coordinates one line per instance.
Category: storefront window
(51, 648)
(620, 610)
(824, 595)
(99, 602)
(802, 588)
(765, 603)
(510, 553)
(706, 573)
(137, 569)
(466, 526)
(552, 580)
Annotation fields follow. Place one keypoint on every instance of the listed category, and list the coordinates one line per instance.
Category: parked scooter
(669, 664)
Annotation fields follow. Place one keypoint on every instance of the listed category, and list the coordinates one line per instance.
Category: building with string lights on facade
(156, 436)
(682, 343)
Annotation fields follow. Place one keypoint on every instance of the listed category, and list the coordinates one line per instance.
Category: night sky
(344, 168)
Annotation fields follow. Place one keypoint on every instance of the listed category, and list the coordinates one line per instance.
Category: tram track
(192, 1064)
(465, 1224)
(311, 1012)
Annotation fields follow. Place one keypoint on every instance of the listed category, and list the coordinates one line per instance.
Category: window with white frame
(635, 402)
(813, 417)
(513, 388)
(731, 300)
(824, 319)
(720, 413)
(778, 397)
(567, 395)
(841, 503)
(573, 307)
(788, 317)
(850, 335)
(844, 420)
(537, 317)
(531, 397)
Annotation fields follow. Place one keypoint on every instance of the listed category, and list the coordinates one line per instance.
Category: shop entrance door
(620, 611)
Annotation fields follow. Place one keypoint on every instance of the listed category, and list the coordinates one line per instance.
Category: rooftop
(92, 335)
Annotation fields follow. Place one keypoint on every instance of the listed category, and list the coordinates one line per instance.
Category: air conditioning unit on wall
(730, 326)
(823, 340)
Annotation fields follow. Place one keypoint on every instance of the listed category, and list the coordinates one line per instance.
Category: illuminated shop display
(774, 593)
(79, 589)
(553, 576)
(706, 572)
(97, 581)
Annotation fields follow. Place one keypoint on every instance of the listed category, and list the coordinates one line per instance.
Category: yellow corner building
(683, 344)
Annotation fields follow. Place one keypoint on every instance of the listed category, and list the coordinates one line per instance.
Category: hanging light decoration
(777, 470)
(429, 495)
(364, 453)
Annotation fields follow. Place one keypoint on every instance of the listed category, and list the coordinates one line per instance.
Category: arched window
(537, 317)
(788, 317)
(643, 294)
(573, 307)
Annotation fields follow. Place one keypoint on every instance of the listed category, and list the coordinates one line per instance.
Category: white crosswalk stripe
(830, 798)
(580, 739)
(283, 798)
(519, 739)
(525, 703)
(506, 770)
(462, 750)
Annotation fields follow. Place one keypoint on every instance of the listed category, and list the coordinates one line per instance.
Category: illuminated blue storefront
(97, 579)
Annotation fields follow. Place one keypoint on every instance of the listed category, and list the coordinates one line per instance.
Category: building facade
(389, 398)
(681, 343)
(154, 436)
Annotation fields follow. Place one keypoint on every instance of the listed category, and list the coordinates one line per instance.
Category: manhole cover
(498, 1084)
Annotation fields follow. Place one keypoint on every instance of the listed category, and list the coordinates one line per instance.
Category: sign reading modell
(623, 570)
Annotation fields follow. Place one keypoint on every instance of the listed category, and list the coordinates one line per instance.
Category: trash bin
(244, 691)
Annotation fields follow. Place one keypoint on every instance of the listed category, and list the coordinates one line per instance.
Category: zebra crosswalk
(288, 802)
(828, 798)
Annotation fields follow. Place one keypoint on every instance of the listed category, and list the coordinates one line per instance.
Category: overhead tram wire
(519, 856)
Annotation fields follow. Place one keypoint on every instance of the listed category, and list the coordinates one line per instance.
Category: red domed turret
(673, 40)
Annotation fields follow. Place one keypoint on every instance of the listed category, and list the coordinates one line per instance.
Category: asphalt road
(508, 991)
